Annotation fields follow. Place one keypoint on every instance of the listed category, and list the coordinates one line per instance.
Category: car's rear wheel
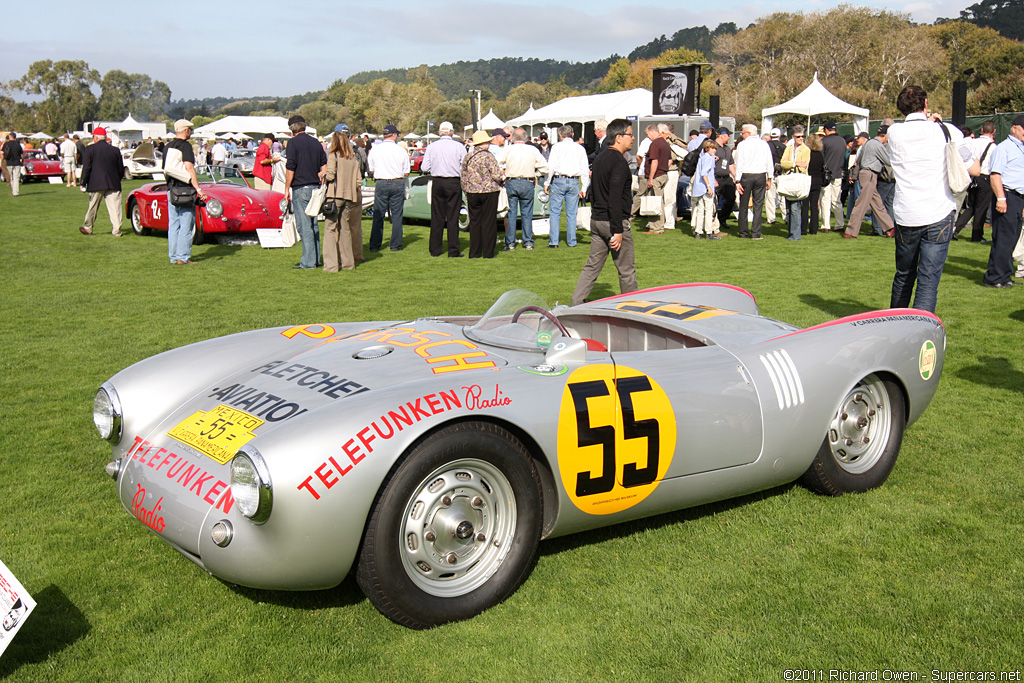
(862, 440)
(463, 219)
(135, 211)
(455, 528)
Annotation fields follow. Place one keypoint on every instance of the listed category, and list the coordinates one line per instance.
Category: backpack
(689, 164)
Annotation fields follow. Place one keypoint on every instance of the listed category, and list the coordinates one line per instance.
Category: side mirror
(566, 350)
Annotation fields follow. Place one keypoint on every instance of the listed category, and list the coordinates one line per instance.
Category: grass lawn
(925, 573)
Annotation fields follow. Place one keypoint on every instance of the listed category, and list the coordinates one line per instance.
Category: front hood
(178, 472)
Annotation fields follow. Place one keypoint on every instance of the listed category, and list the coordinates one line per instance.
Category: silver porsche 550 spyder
(432, 456)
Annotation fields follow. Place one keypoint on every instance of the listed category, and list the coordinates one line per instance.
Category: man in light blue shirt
(1007, 178)
(443, 161)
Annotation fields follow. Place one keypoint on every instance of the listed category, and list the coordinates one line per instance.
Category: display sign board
(676, 90)
(15, 606)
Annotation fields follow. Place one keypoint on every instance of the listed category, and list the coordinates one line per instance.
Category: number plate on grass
(217, 433)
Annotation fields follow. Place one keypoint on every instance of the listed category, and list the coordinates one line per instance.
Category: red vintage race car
(35, 166)
(231, 206)
(416, 160)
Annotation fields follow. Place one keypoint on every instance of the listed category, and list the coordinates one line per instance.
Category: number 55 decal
(616, 437)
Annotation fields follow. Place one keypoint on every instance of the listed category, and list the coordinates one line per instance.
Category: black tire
(136, 216)
(198, 237)
(454, 529)
(862, 441)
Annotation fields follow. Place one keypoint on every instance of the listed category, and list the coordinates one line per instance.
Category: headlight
(214, 209)
(543, 197)
(251, 486)
(106, 413)
(283, 205)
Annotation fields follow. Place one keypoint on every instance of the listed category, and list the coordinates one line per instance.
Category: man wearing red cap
(102, 170)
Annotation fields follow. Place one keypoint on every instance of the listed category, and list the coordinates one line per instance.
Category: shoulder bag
(957, 176)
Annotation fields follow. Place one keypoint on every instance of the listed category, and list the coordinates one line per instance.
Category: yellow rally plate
(216, 433)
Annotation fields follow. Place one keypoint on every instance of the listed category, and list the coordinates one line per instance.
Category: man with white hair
(755, 169)
(601, 133)
(567, 181)
(523, 163)
(443, 161)
(219, 153)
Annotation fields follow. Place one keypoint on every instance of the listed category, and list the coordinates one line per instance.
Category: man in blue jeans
(924, 204)
(523, 163)
(306, 164)
(389, 165)
(567, 182)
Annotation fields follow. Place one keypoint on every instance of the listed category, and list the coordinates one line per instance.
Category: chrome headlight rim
(107, 395)
(248, 458)
(283, 206)
(214, 208)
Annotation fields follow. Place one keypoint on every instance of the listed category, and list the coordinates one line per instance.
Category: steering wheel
(546, 314)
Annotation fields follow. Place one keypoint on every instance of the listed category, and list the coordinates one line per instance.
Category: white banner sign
(15, 606)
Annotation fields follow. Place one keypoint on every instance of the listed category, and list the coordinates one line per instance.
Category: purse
(182, 195)
(794, 185)
(329, 209)
(316, 200)
(651, 205)
(289, 234)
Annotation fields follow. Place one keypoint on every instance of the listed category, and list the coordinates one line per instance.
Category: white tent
(248, 124)
(40, 136)
(815, 100)
(614, 105)
(488, 122)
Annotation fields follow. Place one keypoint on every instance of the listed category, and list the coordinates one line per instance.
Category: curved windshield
(220, 174)
(517, 320)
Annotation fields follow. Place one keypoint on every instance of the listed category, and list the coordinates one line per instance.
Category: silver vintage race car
(432, 456)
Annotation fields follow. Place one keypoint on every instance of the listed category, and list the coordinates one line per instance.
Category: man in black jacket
(609, 219)
(102, 170)
(833, 148)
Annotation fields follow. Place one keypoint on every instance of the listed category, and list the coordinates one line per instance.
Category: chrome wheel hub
(457, 527)
(860, 430)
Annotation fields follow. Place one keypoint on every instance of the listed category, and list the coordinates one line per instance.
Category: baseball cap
(776, 133)
(182, 125)
(498, 131)
(99, 131)
(1018, 121)
(390, 130)
(829, 125)
(341, 128)
(724, 131)
(446, 126)
(706, 125)
(884, 129)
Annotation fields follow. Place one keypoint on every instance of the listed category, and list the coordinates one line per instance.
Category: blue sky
(256, 47)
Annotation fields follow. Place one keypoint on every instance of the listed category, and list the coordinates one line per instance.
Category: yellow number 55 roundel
(616, 437)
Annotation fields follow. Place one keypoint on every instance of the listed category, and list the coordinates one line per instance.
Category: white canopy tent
(815, 100)
(250, 124)
(586, 108)
(488, 123)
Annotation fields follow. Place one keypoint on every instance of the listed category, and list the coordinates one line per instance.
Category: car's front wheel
(198, 236)
(862, 440)
(136, 214)
(455, 528)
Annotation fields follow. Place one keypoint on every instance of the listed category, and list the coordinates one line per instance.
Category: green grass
(925, 573)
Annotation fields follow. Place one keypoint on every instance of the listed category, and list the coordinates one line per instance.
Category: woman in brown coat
(481, 176)
(343, 230)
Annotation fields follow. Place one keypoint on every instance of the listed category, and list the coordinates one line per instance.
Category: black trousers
(754, 186)
(1005, 233)
(979, 198)
(483, 223)
(445, 204)
(727, 193)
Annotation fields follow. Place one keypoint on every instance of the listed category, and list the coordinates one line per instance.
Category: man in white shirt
(523, 163)
(755, 169)
(979, 195)
(389, 165)
(924, 204)
(68, 150)
(219, 153)
(567, 181)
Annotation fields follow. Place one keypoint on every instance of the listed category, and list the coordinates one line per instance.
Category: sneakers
(714, 237)
(528, 246)
(509, 247)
